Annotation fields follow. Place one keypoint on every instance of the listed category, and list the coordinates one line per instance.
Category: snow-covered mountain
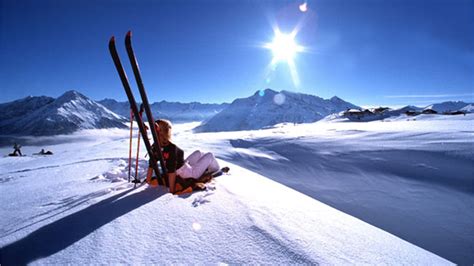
(23, 106)
(269, 107)
(409, 108)
(367, 115)
(468, 108)
(449, 106)
(120, 108)
(174, 111)
(47, 116)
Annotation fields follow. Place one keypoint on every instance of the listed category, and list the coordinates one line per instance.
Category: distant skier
(42, 152)
(178, 169)
(16, 150)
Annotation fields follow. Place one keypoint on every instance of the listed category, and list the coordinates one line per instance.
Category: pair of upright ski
(133, 105)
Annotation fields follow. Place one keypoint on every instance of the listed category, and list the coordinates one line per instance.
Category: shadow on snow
(386, 187)
(66, 231)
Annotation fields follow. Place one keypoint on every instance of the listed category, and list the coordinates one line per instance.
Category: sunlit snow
(392, 192)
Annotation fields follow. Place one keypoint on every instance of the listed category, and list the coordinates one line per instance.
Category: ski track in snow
(61, 165)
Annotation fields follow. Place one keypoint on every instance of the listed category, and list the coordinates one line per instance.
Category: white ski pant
(197, 163)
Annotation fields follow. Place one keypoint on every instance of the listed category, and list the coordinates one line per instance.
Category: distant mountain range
(366, 115)
(468, 108)
(448, 106)
(73, 111)
(48, 116)
(269, 107)
(174, 111)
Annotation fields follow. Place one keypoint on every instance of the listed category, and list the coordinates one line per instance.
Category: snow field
(412, 178)
(75, 207)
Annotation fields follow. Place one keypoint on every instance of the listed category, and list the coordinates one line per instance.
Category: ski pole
(138, 146)
(138, 154)
(130, 148)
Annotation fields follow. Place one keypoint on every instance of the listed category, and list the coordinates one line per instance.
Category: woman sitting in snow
(192, 168)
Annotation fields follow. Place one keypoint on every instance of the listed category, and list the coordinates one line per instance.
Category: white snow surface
(75, 207)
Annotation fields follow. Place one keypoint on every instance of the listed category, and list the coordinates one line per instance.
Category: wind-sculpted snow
(75, 207)
(411, 177)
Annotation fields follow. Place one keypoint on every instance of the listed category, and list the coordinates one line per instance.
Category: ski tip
(112, 39)
(128, 39)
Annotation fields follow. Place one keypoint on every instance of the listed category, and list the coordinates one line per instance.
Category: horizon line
(428, 95)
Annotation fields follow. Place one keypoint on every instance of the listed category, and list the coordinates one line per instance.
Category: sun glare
(284, 47)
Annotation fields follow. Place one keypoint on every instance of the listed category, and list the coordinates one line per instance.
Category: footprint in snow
(201, 199)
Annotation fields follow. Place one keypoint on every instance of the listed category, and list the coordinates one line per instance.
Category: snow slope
(411, 176)
(75, 208)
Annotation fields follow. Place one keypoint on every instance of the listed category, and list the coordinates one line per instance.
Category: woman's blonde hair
(165, 128)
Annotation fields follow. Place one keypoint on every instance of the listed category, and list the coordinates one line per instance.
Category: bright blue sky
(369, 52)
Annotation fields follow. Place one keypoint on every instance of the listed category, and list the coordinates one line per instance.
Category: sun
(284, 47)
